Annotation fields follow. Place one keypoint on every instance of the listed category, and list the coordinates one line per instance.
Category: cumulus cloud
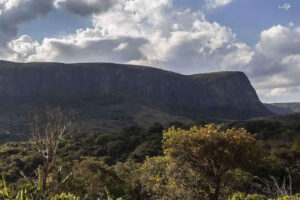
(85, 7)
(183, 41)
(285, 6)
(276, 65)
(21, 48)
(279, 41)
(16, 12)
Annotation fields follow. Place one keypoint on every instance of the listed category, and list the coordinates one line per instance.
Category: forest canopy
(198, 161)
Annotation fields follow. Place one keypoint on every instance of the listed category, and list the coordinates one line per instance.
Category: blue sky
(247, 18)
(258, 37)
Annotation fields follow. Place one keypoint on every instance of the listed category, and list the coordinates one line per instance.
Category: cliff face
(111, 95)
(226, 95)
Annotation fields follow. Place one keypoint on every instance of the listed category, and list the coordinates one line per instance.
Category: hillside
(278, 109)
(284, 108)
(292, 107)
(113, 96)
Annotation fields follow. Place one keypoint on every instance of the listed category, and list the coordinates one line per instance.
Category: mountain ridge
(284, 108)
(126, 94)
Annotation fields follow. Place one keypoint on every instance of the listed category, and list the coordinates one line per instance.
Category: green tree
(217, 155)
(91, 178)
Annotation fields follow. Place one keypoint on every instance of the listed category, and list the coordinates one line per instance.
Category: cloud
(85, 7)
(88, 50)
(183, 41)
(212, 4)
(276, 65)
(21, 48)
(121, 47)
(15, 12)
(279, 41)
(285, 6)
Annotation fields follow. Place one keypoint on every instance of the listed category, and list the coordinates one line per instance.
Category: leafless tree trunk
(48, 128)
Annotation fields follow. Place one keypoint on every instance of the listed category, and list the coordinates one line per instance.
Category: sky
(259, 37)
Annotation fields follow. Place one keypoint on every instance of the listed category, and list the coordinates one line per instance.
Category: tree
(216, 154)
(92, 179)
(130, 173)
(48, 128)
(163, 179)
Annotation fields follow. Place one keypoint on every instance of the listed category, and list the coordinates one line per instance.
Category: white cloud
(122, 46)
(239, 56)
(279, 41)
(275, 67)
(9, 4)
(285, 6)
(278, 92)
(212, 4)
(57, 3)
(129, 32)
(22, 48)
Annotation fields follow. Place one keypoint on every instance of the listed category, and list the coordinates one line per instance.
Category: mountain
(278, 110)
(109, 96)
(294, 107)
(284, 108)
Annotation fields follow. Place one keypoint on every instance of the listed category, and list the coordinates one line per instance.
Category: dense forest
(244, 160)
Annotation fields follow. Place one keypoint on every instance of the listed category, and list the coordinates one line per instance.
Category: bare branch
(48, 128)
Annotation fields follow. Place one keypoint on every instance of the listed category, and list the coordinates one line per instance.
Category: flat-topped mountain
(126, 93)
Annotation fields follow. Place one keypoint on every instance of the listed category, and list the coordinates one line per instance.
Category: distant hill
(294, 107)
(278, 127)
(111, 96)
(284, 108)
(286, 119)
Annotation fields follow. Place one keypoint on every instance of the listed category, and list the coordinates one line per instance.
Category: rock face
(224, 95)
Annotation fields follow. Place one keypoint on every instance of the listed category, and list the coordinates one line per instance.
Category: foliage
(30, 191)
(268, 129)
(180, 163)
(91, 177)
(162, 179)
(213, 153)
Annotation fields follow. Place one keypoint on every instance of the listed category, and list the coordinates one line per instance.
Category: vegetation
(218, 156)
(205, 162)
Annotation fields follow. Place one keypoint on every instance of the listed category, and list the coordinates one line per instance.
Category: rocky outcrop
(224, 95)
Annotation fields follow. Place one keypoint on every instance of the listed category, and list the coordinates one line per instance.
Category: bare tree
(272, 188)
(48, 128)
